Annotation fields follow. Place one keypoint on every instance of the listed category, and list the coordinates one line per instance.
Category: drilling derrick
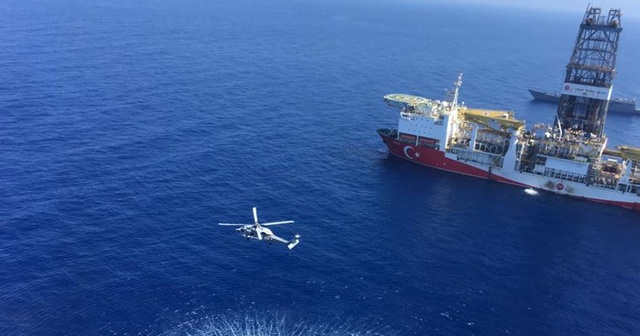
(588, 83)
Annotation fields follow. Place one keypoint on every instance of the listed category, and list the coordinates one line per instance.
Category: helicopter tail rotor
(294, 242)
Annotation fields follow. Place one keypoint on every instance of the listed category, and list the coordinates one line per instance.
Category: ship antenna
(457, 85)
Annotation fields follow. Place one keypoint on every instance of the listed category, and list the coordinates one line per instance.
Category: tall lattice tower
(589, 79)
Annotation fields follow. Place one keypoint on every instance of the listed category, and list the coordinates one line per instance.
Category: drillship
(569, 157)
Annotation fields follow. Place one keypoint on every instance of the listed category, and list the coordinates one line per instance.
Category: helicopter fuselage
(251, 232)
(260, 232)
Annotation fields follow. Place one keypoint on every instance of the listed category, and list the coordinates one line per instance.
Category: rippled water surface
(129, 129)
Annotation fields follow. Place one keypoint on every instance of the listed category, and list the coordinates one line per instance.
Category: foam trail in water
(531, 191)
(272, 325)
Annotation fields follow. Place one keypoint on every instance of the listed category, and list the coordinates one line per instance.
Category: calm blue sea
(128, 129)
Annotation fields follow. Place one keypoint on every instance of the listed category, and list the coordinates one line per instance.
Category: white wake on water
(531, 191)
(273, 325)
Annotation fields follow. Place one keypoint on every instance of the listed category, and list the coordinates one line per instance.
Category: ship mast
(588, 83)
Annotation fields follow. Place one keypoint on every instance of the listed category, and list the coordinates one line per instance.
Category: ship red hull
(434, 158)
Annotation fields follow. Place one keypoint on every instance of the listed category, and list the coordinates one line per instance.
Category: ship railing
(606, 180)
(493, 148)
(610, 184)
(635, 171)
(461, 142)
(564, 175)
(412, 111)
(482, 158)
(563, 152)
(629, 188)
(605, 185)
(573, 139)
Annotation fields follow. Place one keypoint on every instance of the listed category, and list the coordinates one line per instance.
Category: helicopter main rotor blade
(277, 223)
(259, 233)
(232, 224)
(255, 214)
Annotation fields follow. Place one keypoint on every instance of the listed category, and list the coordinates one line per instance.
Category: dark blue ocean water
(129, 129)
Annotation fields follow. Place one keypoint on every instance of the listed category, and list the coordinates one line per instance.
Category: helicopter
(260, 232)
